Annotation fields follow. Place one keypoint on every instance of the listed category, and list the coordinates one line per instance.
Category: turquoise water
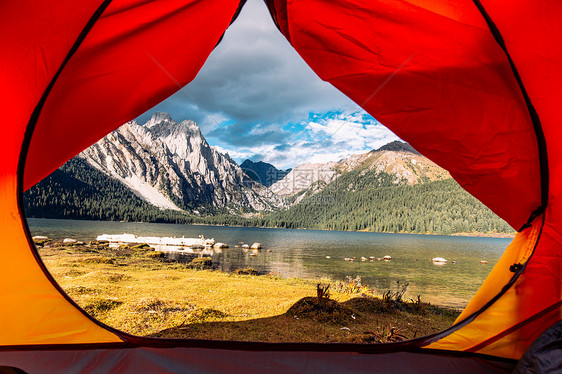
(302, 253)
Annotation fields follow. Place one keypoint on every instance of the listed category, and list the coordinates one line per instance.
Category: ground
(135, 289)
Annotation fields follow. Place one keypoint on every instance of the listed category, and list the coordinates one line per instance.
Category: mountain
(161, 173)
(397, 146)
(379, 205)
(170, 165)
(262, 172)
(78, 191)
(304, 177)
(390, 189)
(398, 161)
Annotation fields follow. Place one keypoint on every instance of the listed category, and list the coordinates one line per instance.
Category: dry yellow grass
(134, 291)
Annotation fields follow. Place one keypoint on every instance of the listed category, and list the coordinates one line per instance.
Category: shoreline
(460, 234)
(486, 235)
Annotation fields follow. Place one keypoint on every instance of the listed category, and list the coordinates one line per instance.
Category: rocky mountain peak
(158, 118)
(171, 165)
(397, 146)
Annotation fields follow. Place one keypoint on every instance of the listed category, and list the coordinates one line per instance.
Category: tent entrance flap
(438, 75)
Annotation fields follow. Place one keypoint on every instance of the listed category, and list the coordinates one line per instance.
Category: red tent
(471, 84)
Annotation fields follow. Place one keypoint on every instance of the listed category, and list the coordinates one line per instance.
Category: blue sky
(256, 98)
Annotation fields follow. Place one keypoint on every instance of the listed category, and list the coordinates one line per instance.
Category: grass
(136, 291)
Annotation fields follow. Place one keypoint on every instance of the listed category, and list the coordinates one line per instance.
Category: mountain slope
(171, 165)
(377, 204)
(400, 163)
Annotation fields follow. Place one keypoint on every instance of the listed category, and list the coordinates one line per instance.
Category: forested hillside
(372, 202)
(78, 191)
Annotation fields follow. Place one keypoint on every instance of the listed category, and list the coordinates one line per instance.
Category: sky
(256, 98)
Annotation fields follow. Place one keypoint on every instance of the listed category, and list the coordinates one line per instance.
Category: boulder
(256, 246)
(69, 241)
(220, 245)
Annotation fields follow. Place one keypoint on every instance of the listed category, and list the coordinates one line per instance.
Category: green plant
(386, 334)
(200, 263)
(155, 254)
(246, 271)
(141, 246)
(352, 286)
(397, 296)
(99, 260)
(322, 291)
(100, 306)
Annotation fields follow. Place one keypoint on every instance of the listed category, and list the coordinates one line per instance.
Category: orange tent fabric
(471, 84)
(442, 77)
(70, 74)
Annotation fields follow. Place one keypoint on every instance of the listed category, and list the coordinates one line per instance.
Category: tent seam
(535, 119)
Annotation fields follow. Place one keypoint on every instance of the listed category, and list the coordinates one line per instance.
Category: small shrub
(99, 260)
(204, 315)
(386, 334)
(41, 242)
(352, 286)
(324, 311)
(98, 242)
(397, 296)
(200, 263)
(86, 250)
(101, 306)
(246, 271)
(155, 254)
(322, 291)
(141, 246)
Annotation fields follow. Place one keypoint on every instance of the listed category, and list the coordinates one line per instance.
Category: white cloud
(254, 97)
(253, 76)
(321, 140)
(235, 154)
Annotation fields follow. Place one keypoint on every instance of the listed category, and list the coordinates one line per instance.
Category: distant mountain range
(396, 160)
(166, 171)
(262, 172)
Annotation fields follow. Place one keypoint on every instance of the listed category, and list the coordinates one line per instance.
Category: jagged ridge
(171, 165)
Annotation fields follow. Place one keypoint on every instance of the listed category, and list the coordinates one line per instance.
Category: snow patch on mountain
(148, 193)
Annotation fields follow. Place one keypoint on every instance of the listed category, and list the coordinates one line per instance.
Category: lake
(303, 253)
